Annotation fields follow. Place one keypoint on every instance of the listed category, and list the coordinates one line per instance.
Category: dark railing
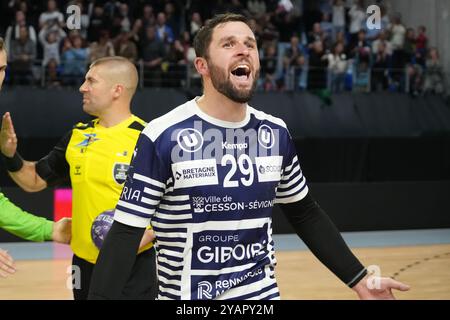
(355, 78)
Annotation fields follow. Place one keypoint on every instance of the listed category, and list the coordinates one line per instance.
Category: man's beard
(223, 84)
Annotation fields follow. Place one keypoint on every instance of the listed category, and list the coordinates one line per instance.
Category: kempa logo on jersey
(205, 288)
(239, 252)
(195, 173)
(196, 143)
(234, 146)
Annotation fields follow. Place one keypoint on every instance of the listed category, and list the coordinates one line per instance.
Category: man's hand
(149, 236)
(378, 288)
(8, 138)
(62, 231)
(7, 266)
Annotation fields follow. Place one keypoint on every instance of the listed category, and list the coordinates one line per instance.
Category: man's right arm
(27, 178)
(145, 179)
(115, 262)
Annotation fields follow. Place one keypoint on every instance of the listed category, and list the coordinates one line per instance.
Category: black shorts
(142, 284)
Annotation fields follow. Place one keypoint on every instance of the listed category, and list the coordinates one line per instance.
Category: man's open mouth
(241, 72)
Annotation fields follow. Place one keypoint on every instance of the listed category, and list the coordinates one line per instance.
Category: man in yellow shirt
(95, 157)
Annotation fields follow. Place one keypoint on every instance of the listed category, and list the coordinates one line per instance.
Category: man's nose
(243, 49)
(82, 88)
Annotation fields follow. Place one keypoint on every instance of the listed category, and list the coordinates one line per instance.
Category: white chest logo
(190, 140)
(266, 137)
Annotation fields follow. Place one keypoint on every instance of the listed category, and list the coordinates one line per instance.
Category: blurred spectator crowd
(304, 44)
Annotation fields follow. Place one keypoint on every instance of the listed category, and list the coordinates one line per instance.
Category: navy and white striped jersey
(208, 187)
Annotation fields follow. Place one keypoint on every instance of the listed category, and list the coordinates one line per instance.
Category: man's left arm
(322, 237)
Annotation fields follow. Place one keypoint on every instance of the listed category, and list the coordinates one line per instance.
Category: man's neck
(113, 117)
(216, 105)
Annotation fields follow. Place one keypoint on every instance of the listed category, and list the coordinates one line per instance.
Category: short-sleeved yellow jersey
(98, 158)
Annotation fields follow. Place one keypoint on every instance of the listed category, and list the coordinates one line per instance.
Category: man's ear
(118, 90)
(202, 66)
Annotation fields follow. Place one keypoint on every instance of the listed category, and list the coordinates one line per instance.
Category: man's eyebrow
(228, 38)
(3, 66)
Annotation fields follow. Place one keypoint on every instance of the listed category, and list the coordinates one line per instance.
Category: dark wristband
(13, 164)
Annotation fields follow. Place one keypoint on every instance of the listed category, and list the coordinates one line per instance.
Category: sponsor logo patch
(195, 173)
(269, 168)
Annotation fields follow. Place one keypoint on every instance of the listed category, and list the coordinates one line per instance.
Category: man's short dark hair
(2, 44)
(203, 37)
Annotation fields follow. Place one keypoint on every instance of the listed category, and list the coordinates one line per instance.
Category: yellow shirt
(98, 158)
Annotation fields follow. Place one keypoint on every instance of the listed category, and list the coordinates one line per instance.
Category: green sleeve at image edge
(23, 224)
